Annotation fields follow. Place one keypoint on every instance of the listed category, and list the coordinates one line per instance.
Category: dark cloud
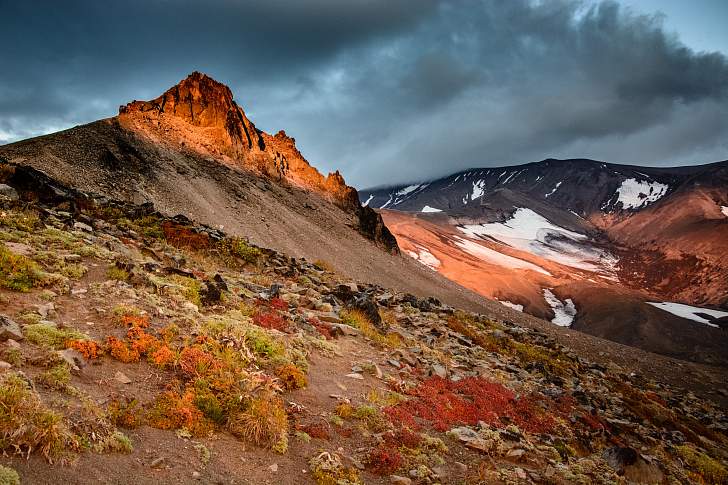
(384, 90)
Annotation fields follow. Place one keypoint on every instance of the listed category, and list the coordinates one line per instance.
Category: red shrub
(384, 460)
(270, 320)
(278, 303)
(322, 328)
(445, 404)
(317, 430)
(403, 437)
(593, 422)
(180, 236)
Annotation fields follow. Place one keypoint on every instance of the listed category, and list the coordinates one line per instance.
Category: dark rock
(211, 292)
(367, 305)
(275, 290)
(372, 227)
(179, 272)
(619, 458)
(220, 282)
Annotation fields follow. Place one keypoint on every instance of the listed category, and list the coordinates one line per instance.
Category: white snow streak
(408, 189)
(554, 189)
(529, 231)
(368, 200)
(724, 210)
(478, 189)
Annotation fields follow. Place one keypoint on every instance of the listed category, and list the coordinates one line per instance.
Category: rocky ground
(137, 345)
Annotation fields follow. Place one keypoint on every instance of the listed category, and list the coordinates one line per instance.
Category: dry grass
(26, 425)
(263, 422)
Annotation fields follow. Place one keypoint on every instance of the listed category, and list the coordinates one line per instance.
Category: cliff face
(200, 115)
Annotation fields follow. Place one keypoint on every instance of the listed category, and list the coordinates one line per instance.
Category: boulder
(9, 329)
(8, 193)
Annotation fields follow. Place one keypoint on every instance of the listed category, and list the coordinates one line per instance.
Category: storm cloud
(385, 91)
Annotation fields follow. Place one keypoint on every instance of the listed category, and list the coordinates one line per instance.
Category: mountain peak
(200, 101)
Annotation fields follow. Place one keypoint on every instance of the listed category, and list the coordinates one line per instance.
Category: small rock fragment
(122, 378)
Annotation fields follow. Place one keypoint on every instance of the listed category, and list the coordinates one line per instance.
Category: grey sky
(393, 91)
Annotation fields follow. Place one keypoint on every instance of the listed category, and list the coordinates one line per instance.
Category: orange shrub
(120, 351)
(134, 321)
(175, 411)
(88, 348)
(125, 412)
(291, 377)
(195, 362)
(141, 341)
(163, 356)
(179, 236)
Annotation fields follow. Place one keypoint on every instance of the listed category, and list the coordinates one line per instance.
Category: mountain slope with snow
(568, 240)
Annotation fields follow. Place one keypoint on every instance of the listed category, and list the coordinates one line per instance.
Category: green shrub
(57, 377)
(50, 335)
(116, 273)
(8, 476)
(21, 220)
(240, 248)
(709, 470)
(18, 272)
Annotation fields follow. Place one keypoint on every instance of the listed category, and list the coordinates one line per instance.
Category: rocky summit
(199, 114)
(140, 344)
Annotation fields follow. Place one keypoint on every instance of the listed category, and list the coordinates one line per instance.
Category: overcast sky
(393, 90)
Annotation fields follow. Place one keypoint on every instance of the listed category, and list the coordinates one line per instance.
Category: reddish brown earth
(605, 308)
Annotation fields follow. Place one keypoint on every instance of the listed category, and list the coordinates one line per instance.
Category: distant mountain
(583, 243)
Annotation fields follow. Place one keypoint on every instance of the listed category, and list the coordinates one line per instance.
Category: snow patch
(689, 312)
(564, 311)
(368, 200)
(478, 189)
(528, 231)
(635, 194)
(427, 208)
(724, 210)
(554, 189)
(387, 203)
(515, 306)
(494, 257)
(424, 256)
